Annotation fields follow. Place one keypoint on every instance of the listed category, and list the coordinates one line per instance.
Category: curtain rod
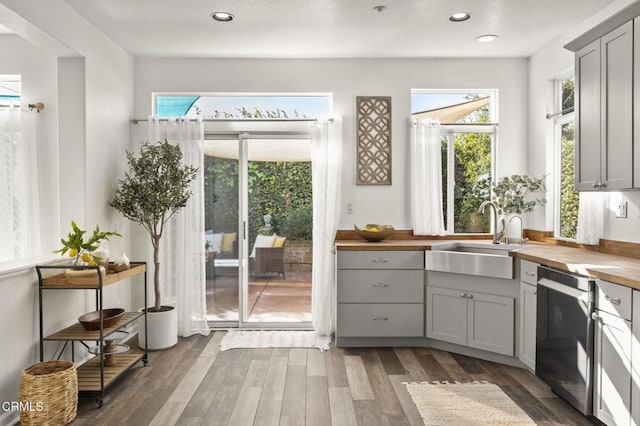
(564, 111)
(38, 106)
(226, 120)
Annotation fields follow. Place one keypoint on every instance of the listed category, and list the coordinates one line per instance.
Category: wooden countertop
(618, 269)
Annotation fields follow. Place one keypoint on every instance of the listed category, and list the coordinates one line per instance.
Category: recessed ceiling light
(459, 16)
(222, 16)
(486, 38)
(379, 8)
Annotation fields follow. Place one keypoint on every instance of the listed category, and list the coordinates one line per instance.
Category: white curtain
(326, 158)
(426, 177)
(182, 247)
(19, 194)
(591, 215)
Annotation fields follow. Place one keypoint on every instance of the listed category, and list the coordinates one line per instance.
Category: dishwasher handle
(564, 289)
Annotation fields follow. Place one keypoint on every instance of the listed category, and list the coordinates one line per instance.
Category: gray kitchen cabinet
(380, 294)
(612, 357)
(604, 105)
(635, 360)
(446, 316)
(470, 318)
(527, 343)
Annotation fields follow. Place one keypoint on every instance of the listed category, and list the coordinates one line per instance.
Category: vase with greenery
(81, 250)
(156, 186)
(517, 194)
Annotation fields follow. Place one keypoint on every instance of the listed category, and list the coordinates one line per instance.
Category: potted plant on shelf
(515, 195)
(82, 251)
(157, 186)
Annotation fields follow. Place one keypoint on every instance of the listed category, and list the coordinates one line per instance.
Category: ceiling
(334, 28)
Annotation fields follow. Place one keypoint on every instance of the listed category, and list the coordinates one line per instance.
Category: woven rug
(236, 339)
(476, 403)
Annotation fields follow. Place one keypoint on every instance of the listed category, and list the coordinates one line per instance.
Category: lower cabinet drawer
(380, 320)
(380, 286)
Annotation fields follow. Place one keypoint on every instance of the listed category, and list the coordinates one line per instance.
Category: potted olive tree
(156, 186)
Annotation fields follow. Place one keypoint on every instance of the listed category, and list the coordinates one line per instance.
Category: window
(19, 211)
(566, 220)
(231, 106)
(468, 120)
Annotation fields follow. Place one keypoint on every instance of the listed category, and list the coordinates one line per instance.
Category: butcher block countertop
(618, 269)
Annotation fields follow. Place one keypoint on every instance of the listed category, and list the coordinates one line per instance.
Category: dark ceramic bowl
(111, 317)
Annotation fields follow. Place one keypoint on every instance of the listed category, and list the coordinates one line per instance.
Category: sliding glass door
(258, 202)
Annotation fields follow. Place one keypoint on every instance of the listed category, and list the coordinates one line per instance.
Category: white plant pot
(162, 328)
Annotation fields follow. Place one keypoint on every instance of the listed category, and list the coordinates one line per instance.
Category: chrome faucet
(522, 238)
(497, 235)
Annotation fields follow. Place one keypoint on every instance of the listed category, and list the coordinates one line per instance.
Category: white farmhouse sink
(472, 258)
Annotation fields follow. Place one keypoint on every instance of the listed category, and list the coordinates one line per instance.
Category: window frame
(559, 121)
(449, 132)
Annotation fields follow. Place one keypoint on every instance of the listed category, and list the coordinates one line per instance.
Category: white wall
(544, 67)
(94, 83)
(346, 79)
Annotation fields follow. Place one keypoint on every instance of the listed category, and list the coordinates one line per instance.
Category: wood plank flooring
(196, 384)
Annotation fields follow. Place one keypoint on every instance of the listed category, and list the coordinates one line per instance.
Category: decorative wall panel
(373, 116)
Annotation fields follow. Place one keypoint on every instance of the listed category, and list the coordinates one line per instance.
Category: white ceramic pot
(162, 328)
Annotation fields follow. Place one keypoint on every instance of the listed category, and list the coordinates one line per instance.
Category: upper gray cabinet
(604, 118)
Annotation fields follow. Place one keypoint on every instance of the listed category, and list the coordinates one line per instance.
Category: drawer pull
(381, 284)
(613, 300)
(381, 318)
(379, 260)
(470, 296)
(463, 294)
(531, 274)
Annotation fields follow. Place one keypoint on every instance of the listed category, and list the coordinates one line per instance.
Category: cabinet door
(635, 361)
(528, 325)
(612, 399)
(616, 167)
(490, 323)
(446, 316)
(587, 101)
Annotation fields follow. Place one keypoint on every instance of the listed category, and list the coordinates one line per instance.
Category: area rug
(237, 339)
(476, 403)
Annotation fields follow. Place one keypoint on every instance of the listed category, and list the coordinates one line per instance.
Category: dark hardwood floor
(196, 384)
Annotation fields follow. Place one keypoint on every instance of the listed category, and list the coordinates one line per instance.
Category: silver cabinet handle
(381, 284)
(381, 318)
(470, 296)
(380, 260)
(602, 185)
(463, 294)
(531, 274)
(595, 184)
(613, 300)
(594, 315)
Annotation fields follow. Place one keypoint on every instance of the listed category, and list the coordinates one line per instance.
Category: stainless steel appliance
(564, 335)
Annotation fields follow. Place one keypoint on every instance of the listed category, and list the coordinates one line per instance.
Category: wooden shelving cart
(94, 377)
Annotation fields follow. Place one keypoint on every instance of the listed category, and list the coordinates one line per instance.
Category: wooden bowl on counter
(111, 317)
(373, 232)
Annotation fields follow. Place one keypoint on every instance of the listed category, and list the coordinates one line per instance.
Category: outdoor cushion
(279, 242)
(215, 242)
(227, 241)
(262, 241)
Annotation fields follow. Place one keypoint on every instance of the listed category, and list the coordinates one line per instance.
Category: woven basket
(49, 393)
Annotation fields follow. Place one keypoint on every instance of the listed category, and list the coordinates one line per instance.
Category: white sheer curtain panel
(182, 252)
(19, 194)
(591, 217)
(426, 177)
(326, 159)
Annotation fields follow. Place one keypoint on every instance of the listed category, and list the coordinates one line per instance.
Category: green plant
(299, 224)
(157, 186)
(513, 194)
(78, 248)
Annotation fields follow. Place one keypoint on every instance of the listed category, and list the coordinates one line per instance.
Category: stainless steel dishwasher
(564, 335)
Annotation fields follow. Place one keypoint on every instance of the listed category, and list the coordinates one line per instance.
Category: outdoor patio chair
(267, 255)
